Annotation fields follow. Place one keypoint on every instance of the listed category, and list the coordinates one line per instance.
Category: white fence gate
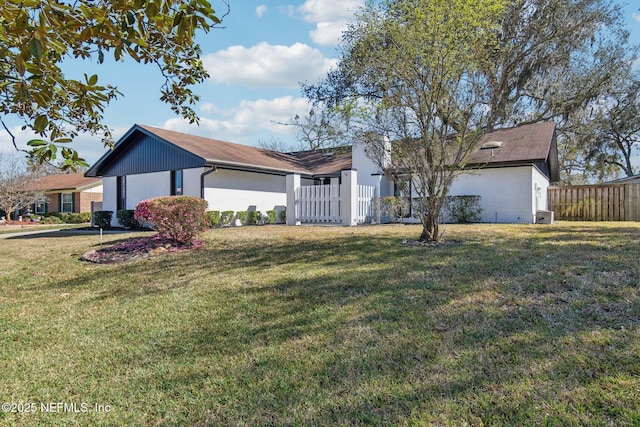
(319, 203)
(322, 203)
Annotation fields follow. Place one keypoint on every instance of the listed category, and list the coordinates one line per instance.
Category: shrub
(464, 209)
(254, 217)
(51, 219)
(226, 217)
(394, 207)
(126, 218)
(242, 216)
(177, 218)
(102, 219)
(271, 217)
(63, 216)
(283, 216)
(79, 218)
(213, 218)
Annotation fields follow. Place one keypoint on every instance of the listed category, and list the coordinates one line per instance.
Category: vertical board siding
(148, 154)
(616, 202)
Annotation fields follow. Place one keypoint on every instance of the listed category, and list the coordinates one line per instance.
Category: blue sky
(256, 63)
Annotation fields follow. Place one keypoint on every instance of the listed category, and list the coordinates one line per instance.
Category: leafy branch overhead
(36, 37)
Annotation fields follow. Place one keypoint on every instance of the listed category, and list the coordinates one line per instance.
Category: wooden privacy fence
(614, 202)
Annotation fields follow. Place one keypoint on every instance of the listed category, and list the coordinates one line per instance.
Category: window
(66, 202)
(41, 206)
(121, 184)
(176, 183)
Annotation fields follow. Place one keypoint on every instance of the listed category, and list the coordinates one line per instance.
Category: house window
(176, 183)
(66, 202)
(121, 184)
(41, 206)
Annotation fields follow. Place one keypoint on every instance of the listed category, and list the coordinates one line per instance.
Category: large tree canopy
(37, 36)
(431, 76)
(600, 140)
(410, 73)
(553, 57)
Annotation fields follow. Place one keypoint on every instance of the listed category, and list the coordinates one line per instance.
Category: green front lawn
(274, 325)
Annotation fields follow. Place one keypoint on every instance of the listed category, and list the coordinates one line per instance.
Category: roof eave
(253, 168)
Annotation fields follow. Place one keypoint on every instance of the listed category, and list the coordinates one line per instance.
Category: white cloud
(328, 33)
(21, 139)
(266, 65)
(261, 10)
(330, 17)
(248, 123)
(329, 10)
(636, 17)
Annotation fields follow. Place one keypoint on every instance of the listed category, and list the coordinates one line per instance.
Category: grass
(505, 325)
(10, 229)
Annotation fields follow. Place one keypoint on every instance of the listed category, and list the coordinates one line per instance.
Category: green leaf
(93, 80)
(40, 123)
(63, 140)
(36, 48)
(36, 143)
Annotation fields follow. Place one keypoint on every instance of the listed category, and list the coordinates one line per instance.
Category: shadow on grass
(356, 329)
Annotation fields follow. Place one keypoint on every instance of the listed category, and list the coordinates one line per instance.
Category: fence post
(349, 197)
(293, 188)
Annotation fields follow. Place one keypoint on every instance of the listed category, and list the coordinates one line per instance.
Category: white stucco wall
(227, 190)
(109, 195)
(146, 185)
(368, 171)
(508, 195)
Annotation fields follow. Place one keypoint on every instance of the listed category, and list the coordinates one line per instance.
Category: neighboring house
(69, 193)
(336, 185)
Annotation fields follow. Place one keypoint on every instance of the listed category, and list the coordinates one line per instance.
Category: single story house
(511, 170)
(338, 185)
(69, 193)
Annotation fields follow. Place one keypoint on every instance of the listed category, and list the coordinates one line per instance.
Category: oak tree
(38, 36)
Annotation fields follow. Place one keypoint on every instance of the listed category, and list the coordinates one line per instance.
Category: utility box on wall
(544, 217)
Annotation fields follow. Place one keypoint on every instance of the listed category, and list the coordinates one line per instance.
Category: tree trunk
(430, 229)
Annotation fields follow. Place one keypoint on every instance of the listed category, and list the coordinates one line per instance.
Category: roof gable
(141, 151)
(148, 149)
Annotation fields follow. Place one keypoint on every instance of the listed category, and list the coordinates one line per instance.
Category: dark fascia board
(122, 145)
(254, 169)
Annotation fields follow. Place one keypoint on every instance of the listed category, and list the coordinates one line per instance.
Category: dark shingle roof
(528, 143)
(228, 153)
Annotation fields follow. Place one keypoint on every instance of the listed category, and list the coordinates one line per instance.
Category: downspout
(205, 173)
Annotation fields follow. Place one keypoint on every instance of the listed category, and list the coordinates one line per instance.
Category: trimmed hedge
(102, 219)
(126, 218)
(226, 217)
